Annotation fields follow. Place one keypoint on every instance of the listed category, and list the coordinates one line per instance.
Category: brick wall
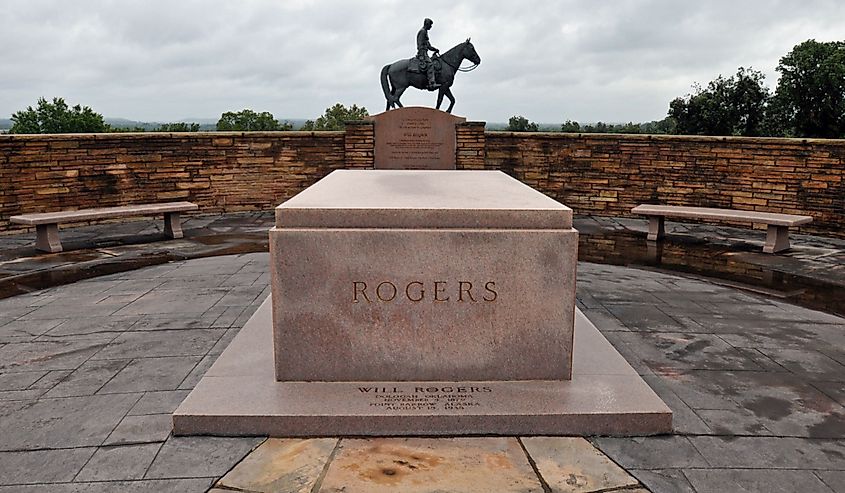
(360, 144)
(218, 171)
(470, 145)
(593, 174)
(610, 174)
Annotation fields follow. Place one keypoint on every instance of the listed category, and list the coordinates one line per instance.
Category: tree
(335, 118)
(810, 97)
(248, 121)
(56, 118)
(178, 127)
(598, 128)
(727, 106)
(570, 126)
(667, 125)
(521, 124)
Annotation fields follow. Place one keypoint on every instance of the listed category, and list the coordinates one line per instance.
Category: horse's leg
(439, 97)
(399, 91)
(391, 103)
(448, 93)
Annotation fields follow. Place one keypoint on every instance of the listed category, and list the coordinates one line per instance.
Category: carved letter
(378, 291)
(489, 288)
(437, 290)
(363, 291)
(408, 291)
(462, 290)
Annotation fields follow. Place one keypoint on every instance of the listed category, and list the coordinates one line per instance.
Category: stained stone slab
(289, 465)
(425, 465)
(240, 396)
(415, 138)
(422, 275)
(570, 465)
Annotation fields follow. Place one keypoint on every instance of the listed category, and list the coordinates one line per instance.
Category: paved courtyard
(89, 372)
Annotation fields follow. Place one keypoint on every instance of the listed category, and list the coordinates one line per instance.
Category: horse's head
(469, 52)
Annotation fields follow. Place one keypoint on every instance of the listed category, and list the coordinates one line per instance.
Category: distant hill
(206, 124)
(5, 123)
(150, 126)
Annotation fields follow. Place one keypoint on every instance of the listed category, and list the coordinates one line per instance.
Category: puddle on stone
(78, 265)
(715, 262)
(687, 255)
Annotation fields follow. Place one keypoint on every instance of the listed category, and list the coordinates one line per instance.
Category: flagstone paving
(90, 371)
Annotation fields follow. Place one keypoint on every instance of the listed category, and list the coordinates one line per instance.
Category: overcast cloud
(613, 61)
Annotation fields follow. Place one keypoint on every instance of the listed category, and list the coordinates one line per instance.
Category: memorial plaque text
(415, 138)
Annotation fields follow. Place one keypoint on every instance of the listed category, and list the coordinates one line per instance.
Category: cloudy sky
(616, 60)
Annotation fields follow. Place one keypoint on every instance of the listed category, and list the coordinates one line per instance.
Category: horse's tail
(385, 84)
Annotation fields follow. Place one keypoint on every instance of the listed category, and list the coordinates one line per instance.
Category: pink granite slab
(422, 275)
(422, 199)
(409, 304)
(239, 396)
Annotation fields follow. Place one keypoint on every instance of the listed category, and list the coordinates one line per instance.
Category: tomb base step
(239, 396)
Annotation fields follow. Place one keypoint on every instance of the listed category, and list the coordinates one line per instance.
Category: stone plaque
(415, 138)
(422, 275)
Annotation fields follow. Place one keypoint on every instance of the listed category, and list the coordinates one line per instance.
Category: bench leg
(777, 239)
(656, 229)
(47, 238)
(172, 225)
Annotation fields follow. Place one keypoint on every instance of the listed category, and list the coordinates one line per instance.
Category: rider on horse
(423, 47)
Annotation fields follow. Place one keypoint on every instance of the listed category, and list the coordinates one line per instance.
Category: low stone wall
(221, 172)
(609, 174)
(592, 173)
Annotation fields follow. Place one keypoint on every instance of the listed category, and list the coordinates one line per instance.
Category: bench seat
(777, 236)
(46, 223)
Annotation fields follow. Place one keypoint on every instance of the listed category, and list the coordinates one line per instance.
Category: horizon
(212, 121)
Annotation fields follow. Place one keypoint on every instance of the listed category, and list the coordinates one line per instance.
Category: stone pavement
(89, 372)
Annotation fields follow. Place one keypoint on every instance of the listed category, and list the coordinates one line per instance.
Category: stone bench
(47, 223)
(777, 236)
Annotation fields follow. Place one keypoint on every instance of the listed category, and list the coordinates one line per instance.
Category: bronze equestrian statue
(422, 72)
(423, 47)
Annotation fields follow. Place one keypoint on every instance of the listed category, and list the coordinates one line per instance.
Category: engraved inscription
(417, 291)
(454, 398)
(414, 144)
(415, 138)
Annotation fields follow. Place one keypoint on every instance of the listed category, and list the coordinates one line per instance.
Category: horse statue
(395, 77)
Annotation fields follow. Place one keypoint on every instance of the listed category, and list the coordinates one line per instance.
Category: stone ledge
(239, 396)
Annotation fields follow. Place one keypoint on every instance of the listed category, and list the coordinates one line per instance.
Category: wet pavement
(91, 369)
(96, 250)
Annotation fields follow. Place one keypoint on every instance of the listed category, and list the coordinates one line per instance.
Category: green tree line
(56, 116)
(809, 101)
